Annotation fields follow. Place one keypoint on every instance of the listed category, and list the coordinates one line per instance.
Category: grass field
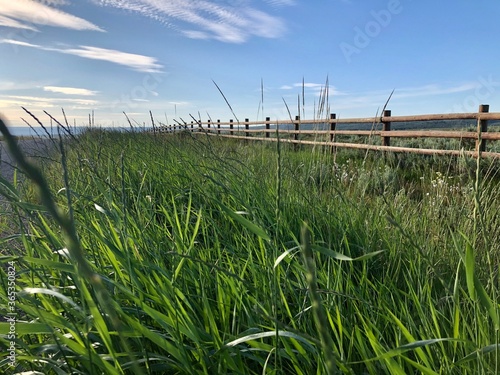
(188, 254)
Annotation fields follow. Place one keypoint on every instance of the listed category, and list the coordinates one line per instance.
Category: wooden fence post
(218, 126)
(192, 127)
(482, 127)
(297, 128)
(231, 126)
(208, 125)
(268, 126)
(333, 126)
(386, 126)
(246, 127)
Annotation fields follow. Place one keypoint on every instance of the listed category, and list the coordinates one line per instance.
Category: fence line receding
(326, 132)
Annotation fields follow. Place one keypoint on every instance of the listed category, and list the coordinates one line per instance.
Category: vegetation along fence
(466, 133)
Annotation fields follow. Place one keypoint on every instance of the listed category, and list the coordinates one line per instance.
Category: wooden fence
(295, 133)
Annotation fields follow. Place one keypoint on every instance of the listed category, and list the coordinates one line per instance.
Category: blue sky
(133, 56)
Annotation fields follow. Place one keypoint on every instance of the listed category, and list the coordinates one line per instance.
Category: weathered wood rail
(268, 130)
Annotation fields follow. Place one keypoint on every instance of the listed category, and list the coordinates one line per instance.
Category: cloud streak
(25, 14)
(280, 3)
(202, 19)
(12, 23)
(317, 88)
(140, 63)
(70, 91)
(36, 101)
(136, 62)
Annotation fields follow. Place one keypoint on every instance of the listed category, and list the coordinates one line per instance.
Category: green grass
(185, 254)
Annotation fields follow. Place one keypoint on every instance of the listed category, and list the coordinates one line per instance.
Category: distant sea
(26, 131)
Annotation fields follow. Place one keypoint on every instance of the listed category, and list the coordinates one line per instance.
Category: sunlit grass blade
(261, 335)
(255, 229)
(338, 256)
(285, 254)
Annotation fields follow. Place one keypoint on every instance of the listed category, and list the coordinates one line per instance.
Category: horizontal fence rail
(292, 131)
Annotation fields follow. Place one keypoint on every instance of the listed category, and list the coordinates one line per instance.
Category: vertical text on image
(11, 314)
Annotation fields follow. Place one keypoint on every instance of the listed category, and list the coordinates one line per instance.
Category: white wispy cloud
(279, 3)
(37, 101)
(19, 85)
(26, 14)
(203, 19)
(70, 90)
(9, 22)
(317, 88)
(305, 84)
(136, 62)
(18, 43)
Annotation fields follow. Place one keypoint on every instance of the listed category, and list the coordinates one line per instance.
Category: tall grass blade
(318, 311)
(227, 102)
